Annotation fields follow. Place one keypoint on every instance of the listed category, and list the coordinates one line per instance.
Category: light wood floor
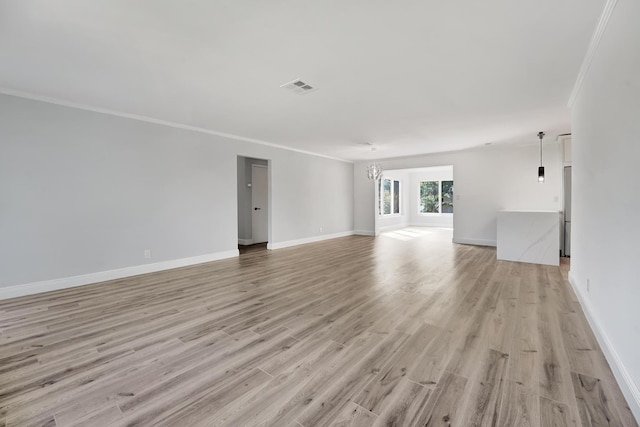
(406, 329)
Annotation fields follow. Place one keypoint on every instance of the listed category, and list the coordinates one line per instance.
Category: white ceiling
(409, 76)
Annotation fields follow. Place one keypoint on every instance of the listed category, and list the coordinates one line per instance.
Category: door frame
(268, 207)
(244, 180)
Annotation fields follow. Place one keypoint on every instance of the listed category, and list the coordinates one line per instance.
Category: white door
(259, 203)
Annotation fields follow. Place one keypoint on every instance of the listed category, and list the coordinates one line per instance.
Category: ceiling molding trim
(500, 146)
(593, 46)
(63, 103)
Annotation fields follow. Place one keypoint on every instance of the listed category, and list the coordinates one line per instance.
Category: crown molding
(141, 118)
(591, 51)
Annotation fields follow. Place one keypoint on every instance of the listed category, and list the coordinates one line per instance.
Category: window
(447, 197)
(389, 195)
(436, 197)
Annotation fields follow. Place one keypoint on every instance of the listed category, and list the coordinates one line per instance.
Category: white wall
(606, 199)
(429, 220)
(487, 179)
(84, 192)
(308, 193)
(244, 201)
(365, 199)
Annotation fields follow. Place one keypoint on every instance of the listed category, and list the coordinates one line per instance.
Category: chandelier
(374, 169)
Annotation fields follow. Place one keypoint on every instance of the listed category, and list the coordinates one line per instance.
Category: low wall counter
(529, 236)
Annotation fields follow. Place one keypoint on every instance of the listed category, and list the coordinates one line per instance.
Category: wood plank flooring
(401, 330)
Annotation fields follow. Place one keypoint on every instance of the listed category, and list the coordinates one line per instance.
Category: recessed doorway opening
(422, 197)
(254, 221)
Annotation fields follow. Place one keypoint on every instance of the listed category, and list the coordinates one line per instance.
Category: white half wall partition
(529, 236)
(84, 196)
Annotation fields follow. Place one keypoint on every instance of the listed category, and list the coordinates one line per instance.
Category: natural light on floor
(408, 233)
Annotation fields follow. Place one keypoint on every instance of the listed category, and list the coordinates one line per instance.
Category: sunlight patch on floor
(396, 235)
(409, 233)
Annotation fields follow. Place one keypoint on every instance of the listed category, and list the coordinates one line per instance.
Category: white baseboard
(286, 244)
(86, 279)
(245, 242)
(364, 232)
(620, 372)
(477, 242)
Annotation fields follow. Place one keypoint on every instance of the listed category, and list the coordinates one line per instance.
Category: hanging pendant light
(374, 169)
(540, 168)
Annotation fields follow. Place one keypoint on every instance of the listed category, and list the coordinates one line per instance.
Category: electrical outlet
(588, 284)
(147, 253)
(321, 229)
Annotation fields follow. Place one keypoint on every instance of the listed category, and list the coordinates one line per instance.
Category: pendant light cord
(541, 151)
(540, 135)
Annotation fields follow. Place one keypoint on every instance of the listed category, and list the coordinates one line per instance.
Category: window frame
(391, 195)
(439, 213)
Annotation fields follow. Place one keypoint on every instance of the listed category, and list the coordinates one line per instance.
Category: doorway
(253, 203)
(259, 203)
(422, 197)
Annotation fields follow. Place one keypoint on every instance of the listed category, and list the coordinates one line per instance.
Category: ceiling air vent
(299, 87)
